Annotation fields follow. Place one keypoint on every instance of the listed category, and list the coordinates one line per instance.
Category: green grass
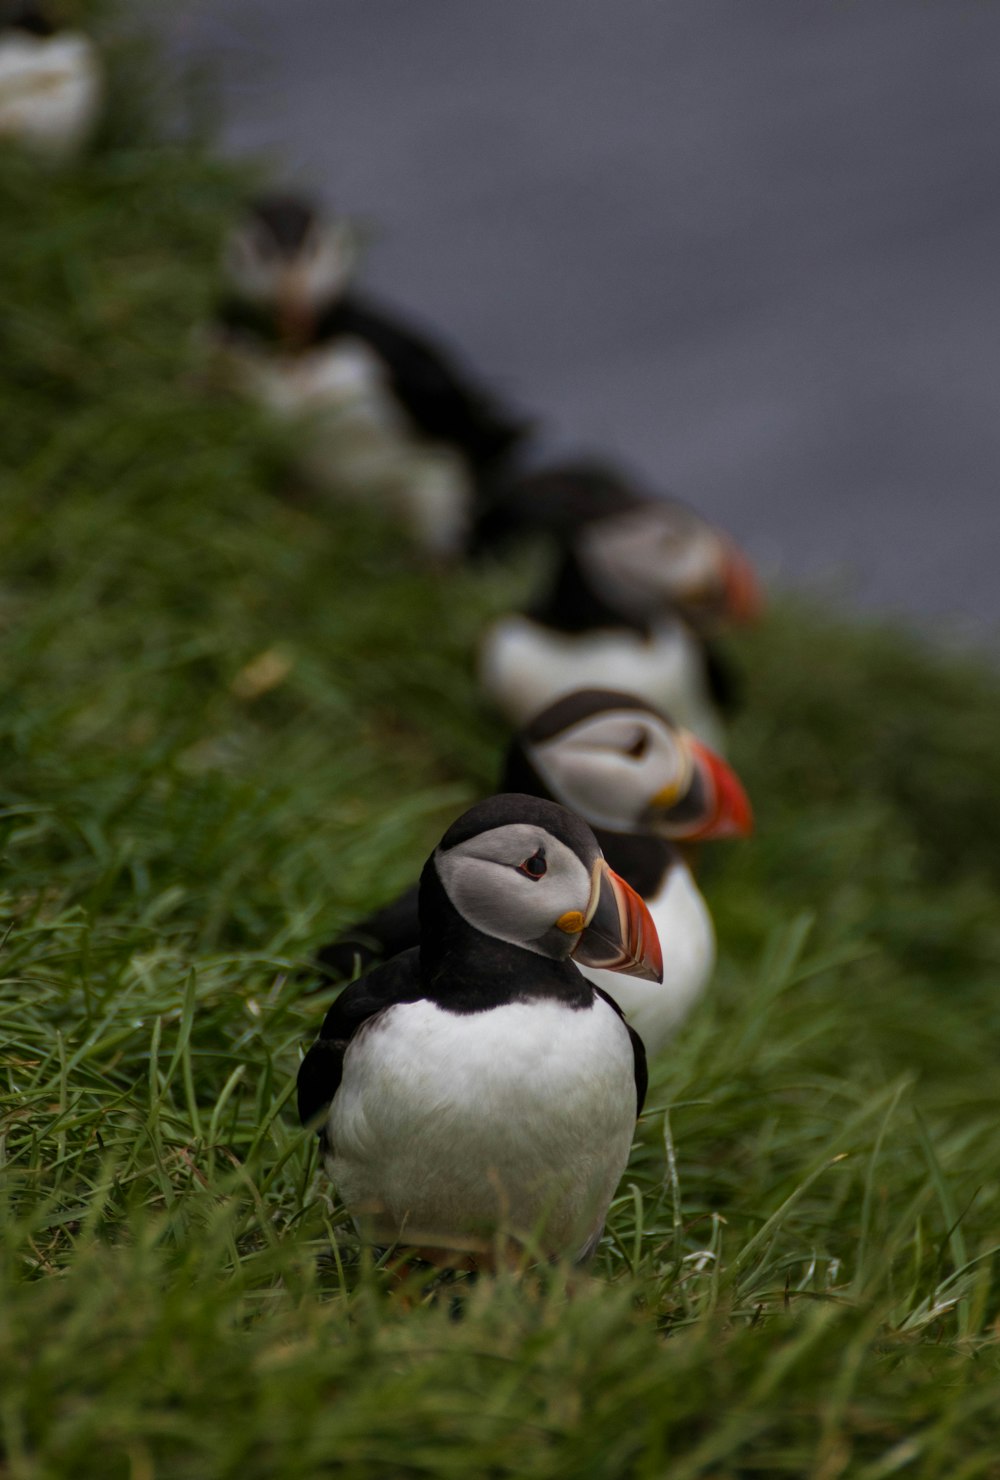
(800, 1272)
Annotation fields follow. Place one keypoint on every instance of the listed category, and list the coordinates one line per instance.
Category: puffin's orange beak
(617, 933)
(727, 812)
(709, 803)
(743, 598)
(295, 315)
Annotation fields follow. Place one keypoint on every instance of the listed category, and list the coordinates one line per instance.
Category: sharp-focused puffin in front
(478, 1088)
(648, 788)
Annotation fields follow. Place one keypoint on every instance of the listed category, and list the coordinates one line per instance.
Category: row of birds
(488, 1067)
(479, 1083)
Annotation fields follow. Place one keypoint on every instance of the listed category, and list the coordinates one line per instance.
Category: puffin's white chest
(452, 1125)
(687, 939)
(525, 666)
(344, 379)
(357, 441)
(50, 90)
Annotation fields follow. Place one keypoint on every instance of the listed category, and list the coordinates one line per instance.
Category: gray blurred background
(750, 249)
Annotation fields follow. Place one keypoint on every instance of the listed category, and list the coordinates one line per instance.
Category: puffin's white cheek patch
(482, 878)
(593, 770)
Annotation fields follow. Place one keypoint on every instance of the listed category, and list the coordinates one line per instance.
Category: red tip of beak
(744, 597)
(731, 815)
(620, 934)
(642, 941)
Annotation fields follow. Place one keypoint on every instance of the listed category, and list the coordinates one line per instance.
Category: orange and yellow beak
(713, 805)
(295, 314)
(617, 932)
(743, 599)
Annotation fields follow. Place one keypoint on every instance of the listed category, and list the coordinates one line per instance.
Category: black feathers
(443, 401)
(286, 220)
(320, 1072)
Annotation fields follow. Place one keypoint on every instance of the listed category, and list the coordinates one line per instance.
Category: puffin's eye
(534, 866)
(639, 746)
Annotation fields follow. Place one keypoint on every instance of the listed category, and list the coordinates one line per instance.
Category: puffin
(649, 790)
(477, 1092)
(393, 418)
(641, 585)
(51, 82)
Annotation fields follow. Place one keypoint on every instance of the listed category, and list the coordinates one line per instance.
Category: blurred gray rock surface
(751, 249)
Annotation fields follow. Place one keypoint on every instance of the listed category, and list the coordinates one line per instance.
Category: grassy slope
(809, 1292)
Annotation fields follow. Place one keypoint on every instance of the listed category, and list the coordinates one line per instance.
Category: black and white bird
(478, 1087)
(51, 81)
(392, 417)
(647, 789)
(641, 584)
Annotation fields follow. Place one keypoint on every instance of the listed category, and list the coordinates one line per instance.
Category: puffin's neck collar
(572, 605)
(462, 970)
(642, 859)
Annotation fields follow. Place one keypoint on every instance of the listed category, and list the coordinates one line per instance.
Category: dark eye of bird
(534, 866)
(639, 746)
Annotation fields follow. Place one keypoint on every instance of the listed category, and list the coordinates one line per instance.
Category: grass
(230, 720)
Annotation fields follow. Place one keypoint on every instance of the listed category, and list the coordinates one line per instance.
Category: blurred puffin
(393, 417)
(641, 584)
(645, 787)
(51, 81)
(478, 1086)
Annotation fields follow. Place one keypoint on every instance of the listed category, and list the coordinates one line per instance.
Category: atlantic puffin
(392, 417)
(478, 1088)
(51, 81)
(648, 789)
(641, 585)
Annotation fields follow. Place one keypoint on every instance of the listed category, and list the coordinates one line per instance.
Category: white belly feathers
(50, 90)
(525, 666)
(687, 939)
(520, 1117)
(358, 443)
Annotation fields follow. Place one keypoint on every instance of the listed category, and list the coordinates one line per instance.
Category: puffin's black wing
(320, 1072)
(444, 402)
(556, 501)
(394, 928)
(638, 1055)
(725, 682)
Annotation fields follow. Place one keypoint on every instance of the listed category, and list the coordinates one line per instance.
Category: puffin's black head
(526, 871)
(26, 15)
(626, 551)
(660, 554)
(625, 766)
(284, 255)
(284, 221)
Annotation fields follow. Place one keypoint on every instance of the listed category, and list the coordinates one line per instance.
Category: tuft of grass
(231, 719)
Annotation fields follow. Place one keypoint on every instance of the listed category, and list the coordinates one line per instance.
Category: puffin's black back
(444, 400)
(556, 501)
